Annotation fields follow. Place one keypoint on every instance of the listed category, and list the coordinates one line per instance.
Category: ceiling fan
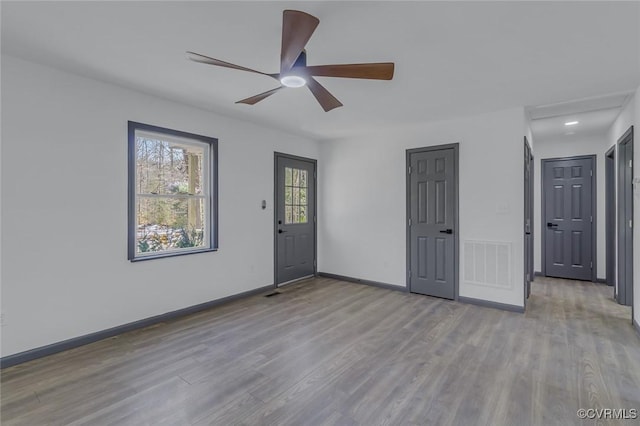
(297, 28)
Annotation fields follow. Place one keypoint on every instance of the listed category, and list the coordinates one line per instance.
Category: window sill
(163, 255)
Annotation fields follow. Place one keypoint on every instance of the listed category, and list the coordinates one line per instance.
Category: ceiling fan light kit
(293, 81)
(297, 28)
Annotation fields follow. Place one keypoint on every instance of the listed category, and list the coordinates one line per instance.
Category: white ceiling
(594, 116)
(589, 123)
(452, 58)
(612, 101)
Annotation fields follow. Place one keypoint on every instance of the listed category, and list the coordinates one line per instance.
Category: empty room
(320, 213)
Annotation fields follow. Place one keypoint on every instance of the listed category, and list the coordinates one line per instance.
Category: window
(172, 192)
(295, 196)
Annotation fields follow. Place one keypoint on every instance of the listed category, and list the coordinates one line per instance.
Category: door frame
(456, 210)
(277, 155)
(594, 211)
(625, 254)
(610, 216)
(529, 262)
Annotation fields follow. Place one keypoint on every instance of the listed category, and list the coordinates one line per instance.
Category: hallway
(585, 344)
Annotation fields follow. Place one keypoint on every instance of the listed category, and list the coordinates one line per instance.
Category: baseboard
(296, 281)
(598, 280)
(489, 304)
(75, 342)
(361, 281)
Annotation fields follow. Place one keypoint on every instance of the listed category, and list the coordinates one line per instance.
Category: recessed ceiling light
(571, 123)
(293, 81)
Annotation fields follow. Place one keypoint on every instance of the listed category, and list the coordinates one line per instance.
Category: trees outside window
(172, 192)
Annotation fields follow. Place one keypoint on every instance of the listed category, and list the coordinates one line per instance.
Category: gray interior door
(295, 217)
(625, 219)
(610, 215)
(528, 218)
(568, 217)
(432, 222)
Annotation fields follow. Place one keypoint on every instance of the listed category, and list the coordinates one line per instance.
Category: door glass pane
(287, 176)
(296, 177)
(295, 196)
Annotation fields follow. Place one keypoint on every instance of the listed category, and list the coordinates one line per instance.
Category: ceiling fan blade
(257, 98)
(212, 61)
(326, 99)
(374, 71)
(297, 28)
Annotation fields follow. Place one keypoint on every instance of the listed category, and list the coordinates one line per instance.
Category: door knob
(551, 225)
(447, 231)
(280, 231)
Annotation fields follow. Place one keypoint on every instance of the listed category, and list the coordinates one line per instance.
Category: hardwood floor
(337, 353)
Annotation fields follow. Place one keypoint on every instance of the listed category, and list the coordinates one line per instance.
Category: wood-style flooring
(325, 352)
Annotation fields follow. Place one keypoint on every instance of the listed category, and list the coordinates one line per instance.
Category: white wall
(64, 208)
(363, 207)
(625, 120)
(569, 147)
(527, 131)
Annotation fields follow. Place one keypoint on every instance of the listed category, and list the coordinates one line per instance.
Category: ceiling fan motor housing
(301, 61)
(296, 76)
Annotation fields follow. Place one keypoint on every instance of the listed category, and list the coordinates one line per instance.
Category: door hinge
(314, 262)
(314, 219)
(409, 169)
(591, 173)
(630, 223)
(591, 265)
(315, 175)
(409, 273)
(591, 219)
(409, 221)
(630, 164)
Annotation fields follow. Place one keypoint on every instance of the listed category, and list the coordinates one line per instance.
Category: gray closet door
(528, 218)
(432, 223)
(568, 216)
(295, 218)
(625, 220)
